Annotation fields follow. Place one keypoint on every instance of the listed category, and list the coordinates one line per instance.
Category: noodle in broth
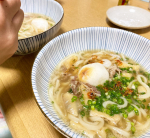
(34, 24)
(102, 94)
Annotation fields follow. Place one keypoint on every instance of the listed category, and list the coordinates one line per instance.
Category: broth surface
(102, 94)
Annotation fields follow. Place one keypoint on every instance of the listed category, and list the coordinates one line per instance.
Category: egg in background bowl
(49, 8)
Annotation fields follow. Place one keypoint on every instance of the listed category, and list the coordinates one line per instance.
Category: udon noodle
(34, 24)
(102, 94)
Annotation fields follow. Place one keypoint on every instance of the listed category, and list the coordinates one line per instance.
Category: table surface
(22, 114)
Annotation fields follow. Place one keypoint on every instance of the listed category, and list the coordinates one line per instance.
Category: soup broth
(102, 94)
(34, 24)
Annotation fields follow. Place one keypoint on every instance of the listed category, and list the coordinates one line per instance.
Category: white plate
(129, 17)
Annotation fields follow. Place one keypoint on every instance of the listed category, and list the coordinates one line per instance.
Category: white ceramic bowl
(92, 38)
(49, 8)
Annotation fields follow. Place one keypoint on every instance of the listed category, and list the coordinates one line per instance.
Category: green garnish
(74, 98)
(125, 115)
(82, 113)
(148, 107)
(89, 102)
(136, 111)
(130, 108)
(82, 100)
(133, 128)
(147, 75)
(92, 107)
(83, 133)
(70, 90)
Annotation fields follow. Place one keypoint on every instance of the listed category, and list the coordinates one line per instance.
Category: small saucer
(129, 17)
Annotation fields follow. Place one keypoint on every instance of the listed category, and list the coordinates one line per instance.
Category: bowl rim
(37, 60)
(49, 28)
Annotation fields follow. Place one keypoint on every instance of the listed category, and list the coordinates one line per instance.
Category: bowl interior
(92, 38)
(49, 8)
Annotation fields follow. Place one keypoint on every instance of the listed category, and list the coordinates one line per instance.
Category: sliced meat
(112, 70)
(75, 84)
(93, 89)
(70, 106)
(112, 120)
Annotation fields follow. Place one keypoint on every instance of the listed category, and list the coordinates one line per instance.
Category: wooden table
(22, 114)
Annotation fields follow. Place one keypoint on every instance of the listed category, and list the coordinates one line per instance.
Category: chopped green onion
(142, 93)
(130, 108)
(144, 101)
(138, 106)
(121, 59)
(143, 106)
(125, 115)
(98, 107)
(132, 124)
(70, 90)
(107, 130)
(129, 100)
(109, 106)
(82, 113)
(86, 107)
(133, 129)
(89, 102)
(120, 101)
(135, 97)
(136, 111)
(93, 102)
(74, 98)
(148, 107)
(82, 100)
(147, 75)
(108, 111)
(92, 107)
(114, 100)
(83, 133)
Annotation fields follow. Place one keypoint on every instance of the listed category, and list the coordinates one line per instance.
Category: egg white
(106, 63)
(40, 23)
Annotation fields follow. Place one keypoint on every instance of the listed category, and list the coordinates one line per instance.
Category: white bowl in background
(49, 8)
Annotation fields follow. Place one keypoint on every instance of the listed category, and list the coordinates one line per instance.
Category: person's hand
(11, 17)
(1, 115)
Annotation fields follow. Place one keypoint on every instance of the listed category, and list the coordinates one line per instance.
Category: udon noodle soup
(102, 94)
(34, 24)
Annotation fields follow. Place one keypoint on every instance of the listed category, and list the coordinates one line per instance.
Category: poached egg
(93, 74)
(40, 23)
